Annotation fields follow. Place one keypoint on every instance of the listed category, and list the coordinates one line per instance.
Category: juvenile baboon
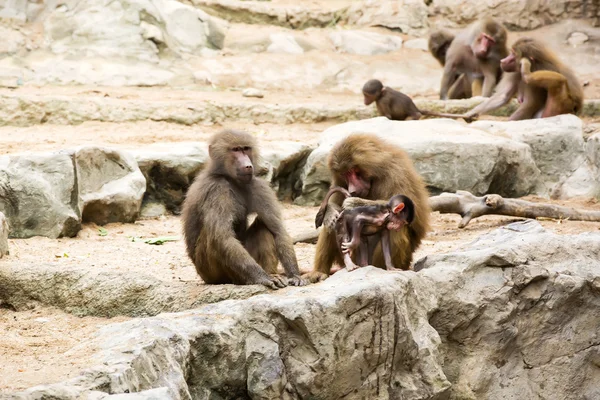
(476, 51)
(395, 105)
(371, 168)
(219, 241)
(551, 89)
(355, 223)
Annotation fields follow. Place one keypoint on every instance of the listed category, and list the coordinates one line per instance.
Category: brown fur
(482, 73)
(391, 172)
(395, 105)
(545, 86)
(219, 241)
(438, 43)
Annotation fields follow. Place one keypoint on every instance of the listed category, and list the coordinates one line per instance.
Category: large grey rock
(364, 43)
(169, 169)
(284, 161)
(523, 15)
(407, 16)
(39, 194)
(448, 154)
(115, 29)
(111, 185)
(3, 236)
(516, 314)
(558, 148)
(511, 315)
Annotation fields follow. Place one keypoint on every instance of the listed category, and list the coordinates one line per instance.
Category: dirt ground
(32, 339)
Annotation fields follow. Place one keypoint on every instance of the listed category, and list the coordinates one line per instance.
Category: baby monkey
(395, 105)
(354, 224)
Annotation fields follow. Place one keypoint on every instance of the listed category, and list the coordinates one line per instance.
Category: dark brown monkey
(551, 89)
(395, 105)
(476, 51)
(354, 223)
(373, 169)
(219, 241)
(439, 42)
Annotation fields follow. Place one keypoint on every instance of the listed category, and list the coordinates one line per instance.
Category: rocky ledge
(513, 314)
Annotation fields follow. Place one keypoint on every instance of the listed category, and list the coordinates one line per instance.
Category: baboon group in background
(377, 211)
(477, 62)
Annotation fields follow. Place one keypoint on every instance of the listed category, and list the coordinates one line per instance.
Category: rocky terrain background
(105, 108)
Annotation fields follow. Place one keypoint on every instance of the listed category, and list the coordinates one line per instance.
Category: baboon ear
(398, 208)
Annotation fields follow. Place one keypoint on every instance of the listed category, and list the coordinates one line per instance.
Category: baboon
(355, 223)
(223, 247)
(371, 168)
(395, 105)
(476, 51)
(438, 43)
(551, 89)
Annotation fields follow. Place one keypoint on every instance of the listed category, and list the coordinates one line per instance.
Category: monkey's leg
(477, 87)
(387, 250)
(363, 253)
(460, 89)
(326, 253)
(260, 243)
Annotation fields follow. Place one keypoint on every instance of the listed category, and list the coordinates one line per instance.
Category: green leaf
(161, 240)
(102, 232)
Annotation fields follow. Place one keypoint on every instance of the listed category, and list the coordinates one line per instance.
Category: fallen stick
(469, 206)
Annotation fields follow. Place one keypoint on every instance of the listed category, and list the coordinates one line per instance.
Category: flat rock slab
(511, 314)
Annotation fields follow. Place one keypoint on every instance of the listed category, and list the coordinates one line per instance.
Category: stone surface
(3, 235)
(364, 43)
(39, 195)
(169, 169)
(449, 155)
(252, 92)
(284, 43)
(516, 14)
(111, 185)
(284, 161)
(406, 16)
(510, 315)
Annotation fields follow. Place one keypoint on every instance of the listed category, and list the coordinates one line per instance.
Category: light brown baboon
(551, 89)
(371, 168)
(219, 241)
(476, 51)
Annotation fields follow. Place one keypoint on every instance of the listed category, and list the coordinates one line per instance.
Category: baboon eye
(236, 149)
(247, 148)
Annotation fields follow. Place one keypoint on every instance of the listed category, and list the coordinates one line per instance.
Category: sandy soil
(32, 339)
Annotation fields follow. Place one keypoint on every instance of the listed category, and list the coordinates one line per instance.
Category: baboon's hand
(274, 282)
(331, 216)
(297, 281)
(315, 276)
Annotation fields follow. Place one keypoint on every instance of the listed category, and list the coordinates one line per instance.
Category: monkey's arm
(268, 211)
(507, 88)
(447, 79)
(357, 226)
(489, 80)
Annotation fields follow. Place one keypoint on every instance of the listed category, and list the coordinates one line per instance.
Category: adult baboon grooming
(374, 169)
(460, 84)
(219, 241)
(476, 51)
(551, 89)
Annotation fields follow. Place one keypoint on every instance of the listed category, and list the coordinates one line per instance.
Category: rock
(285, 160)
(407, 16)
(111, 185)
(511, 314)
(557, 147)
(86, 292)
(419, 44)
(448, 154)
(516, 14)
(14, 9)
(169, 169)
(577, 39)
(39, 195)
(252, 92)
(3, 236)
(365, 43)
(284, 43)
(116, 30)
